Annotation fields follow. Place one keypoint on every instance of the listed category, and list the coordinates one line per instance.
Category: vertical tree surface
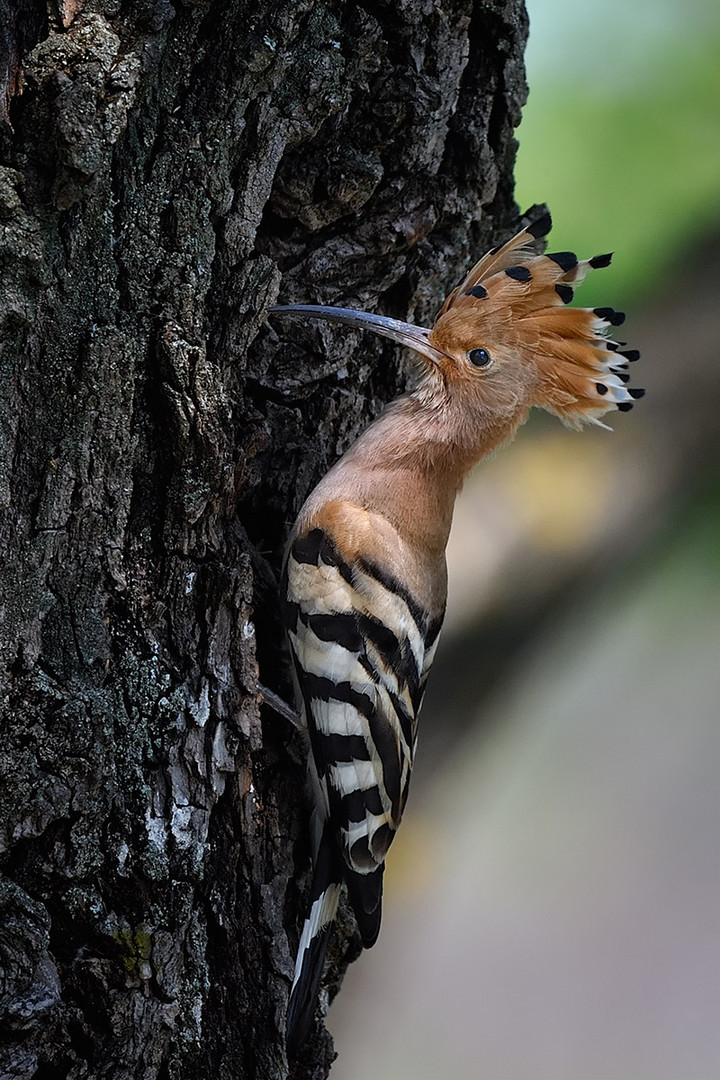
(165, 169)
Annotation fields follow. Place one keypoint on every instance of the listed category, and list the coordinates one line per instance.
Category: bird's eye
(479, 357)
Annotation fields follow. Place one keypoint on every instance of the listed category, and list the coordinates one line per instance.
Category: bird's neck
(439, 445)
(411, 462)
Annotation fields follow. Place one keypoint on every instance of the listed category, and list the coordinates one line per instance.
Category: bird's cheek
(524, 379)
(502, 392)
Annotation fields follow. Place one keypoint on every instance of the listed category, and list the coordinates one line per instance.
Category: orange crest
(514, 301)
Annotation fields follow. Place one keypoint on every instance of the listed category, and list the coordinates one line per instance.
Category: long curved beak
(415, 337)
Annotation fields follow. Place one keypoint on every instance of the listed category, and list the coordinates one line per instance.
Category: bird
(364, 581)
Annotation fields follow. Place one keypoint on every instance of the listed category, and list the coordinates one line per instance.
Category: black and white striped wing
(362, 649)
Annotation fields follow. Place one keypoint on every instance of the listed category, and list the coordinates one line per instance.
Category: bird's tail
(324, 895)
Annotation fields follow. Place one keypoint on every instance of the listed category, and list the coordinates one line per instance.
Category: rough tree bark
(166, 169)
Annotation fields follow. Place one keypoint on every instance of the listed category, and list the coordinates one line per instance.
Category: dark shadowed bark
(165, 170)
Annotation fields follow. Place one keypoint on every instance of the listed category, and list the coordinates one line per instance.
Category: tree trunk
(166, 169)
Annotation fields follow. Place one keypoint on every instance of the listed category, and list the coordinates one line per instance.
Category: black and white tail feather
(323, 901)
(361, 650)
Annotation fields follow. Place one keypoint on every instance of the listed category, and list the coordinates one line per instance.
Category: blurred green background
(553, 899)
(621, 131)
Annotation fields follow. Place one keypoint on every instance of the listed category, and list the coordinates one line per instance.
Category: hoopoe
(364, 581)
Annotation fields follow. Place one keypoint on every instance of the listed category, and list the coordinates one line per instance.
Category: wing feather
(358, 644)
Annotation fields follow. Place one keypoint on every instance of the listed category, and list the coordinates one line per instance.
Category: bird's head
(504, 340)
